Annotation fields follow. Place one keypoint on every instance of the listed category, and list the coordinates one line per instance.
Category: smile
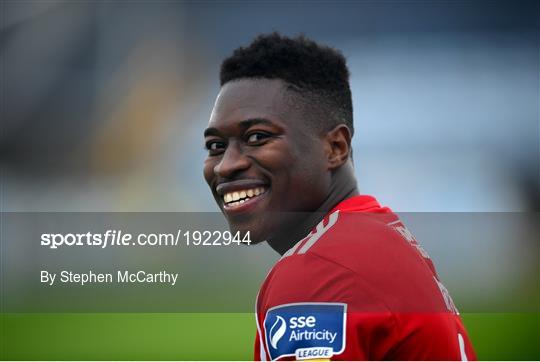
(236, 198)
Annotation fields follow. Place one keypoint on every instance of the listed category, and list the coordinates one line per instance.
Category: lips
(241, 195)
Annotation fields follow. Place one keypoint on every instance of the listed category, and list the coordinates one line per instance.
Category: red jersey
(358, 287)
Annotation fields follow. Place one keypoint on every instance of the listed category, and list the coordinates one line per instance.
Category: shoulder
(362, 258)
(357, 241)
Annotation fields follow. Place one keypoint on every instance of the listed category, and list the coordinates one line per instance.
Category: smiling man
(352, 282)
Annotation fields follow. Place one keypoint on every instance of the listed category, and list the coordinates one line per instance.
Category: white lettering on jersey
(319, 231)
(447, 298)
(407, 235)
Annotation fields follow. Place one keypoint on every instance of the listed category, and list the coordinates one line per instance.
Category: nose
(233, 161)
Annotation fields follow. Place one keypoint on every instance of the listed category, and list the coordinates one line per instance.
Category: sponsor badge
(306, 330)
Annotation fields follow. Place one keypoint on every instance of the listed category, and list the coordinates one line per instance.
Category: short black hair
(317, 73)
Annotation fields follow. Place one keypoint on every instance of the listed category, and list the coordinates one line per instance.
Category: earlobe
(338, 146)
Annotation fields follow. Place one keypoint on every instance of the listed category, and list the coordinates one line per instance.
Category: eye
(257, 137)
(215, 147)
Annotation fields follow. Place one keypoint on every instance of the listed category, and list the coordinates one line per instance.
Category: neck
(343, 186)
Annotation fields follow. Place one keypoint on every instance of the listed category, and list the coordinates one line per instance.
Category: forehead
(252, 98)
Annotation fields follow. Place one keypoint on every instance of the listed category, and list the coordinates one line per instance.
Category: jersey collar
(361, 203)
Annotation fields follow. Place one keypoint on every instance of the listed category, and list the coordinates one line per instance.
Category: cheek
(309, 165)
(311, 178)
(276, 158)
(298, 177)
(311, 181)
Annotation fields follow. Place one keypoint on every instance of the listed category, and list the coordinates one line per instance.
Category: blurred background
(104, 102)
(103, 105)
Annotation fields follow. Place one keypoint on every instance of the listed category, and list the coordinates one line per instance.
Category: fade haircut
(316, 76)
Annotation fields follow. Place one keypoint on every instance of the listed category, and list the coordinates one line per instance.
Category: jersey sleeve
(313, 307)
(314, 313)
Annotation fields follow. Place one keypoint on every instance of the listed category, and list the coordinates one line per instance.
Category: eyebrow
(245, 124)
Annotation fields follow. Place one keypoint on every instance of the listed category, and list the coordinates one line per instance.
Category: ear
(337, 146)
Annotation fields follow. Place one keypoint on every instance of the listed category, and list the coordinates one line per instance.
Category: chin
(258, 232)
(255, 236)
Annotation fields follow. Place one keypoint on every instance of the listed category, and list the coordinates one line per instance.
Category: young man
(352, 282)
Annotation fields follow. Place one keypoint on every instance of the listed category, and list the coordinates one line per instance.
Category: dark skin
(258, 141)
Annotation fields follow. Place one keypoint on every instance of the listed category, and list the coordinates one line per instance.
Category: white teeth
(239, 197)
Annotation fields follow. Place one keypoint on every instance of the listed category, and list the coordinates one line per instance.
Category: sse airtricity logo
(306, 330)
(277, 331)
